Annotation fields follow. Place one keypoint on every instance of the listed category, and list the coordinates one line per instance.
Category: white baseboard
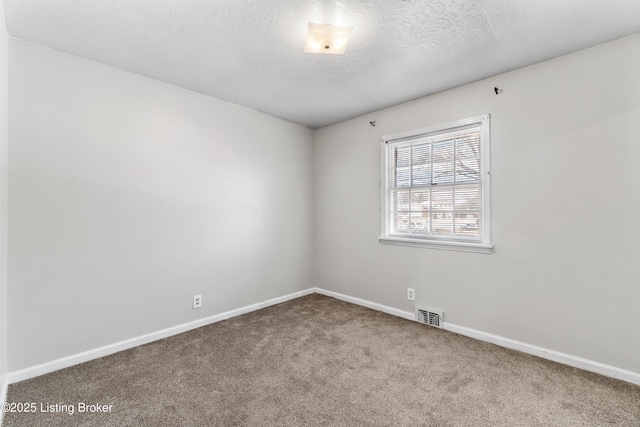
(567, 359)
(65, 362)
(556, 356)
(368, 304)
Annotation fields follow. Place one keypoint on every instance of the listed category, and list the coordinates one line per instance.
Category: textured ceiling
(250, 52)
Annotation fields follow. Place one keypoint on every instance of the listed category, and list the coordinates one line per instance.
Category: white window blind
(436, 186)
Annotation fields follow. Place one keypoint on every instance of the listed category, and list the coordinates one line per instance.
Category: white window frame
(480, 244)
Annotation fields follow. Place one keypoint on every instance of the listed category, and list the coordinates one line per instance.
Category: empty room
(301, 213)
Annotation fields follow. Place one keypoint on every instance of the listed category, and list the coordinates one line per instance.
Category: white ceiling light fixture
(327, 38)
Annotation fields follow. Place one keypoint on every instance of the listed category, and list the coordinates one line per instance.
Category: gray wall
(3, 196)
(565, 208)
(128, 196)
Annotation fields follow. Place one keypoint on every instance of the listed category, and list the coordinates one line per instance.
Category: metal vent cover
(430, 316)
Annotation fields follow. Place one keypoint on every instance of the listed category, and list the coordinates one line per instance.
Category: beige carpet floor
(318, 361)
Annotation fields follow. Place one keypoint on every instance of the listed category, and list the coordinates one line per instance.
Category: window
(436, 187)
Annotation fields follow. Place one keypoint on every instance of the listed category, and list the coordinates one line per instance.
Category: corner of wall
(4, 39)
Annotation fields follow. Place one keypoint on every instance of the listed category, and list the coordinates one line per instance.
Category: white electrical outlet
(197, 301)
(411, 294)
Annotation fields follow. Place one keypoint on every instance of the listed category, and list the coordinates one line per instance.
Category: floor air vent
(430, 316)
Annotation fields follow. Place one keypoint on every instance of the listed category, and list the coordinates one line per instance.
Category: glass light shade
(327, 38)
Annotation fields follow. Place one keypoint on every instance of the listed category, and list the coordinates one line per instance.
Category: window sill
(480, 248)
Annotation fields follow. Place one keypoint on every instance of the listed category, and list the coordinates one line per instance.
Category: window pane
(468, 146)
(403, 177)
(443, 150)
(399, 222)
(400, 200)
(419, 224)
(467, 198)
(442, 173)
(422, 175)
(468, 170)
(420, 201)
(467, 224)
(442, 222)
(421, 154)
(402, 156)
(442, 199)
